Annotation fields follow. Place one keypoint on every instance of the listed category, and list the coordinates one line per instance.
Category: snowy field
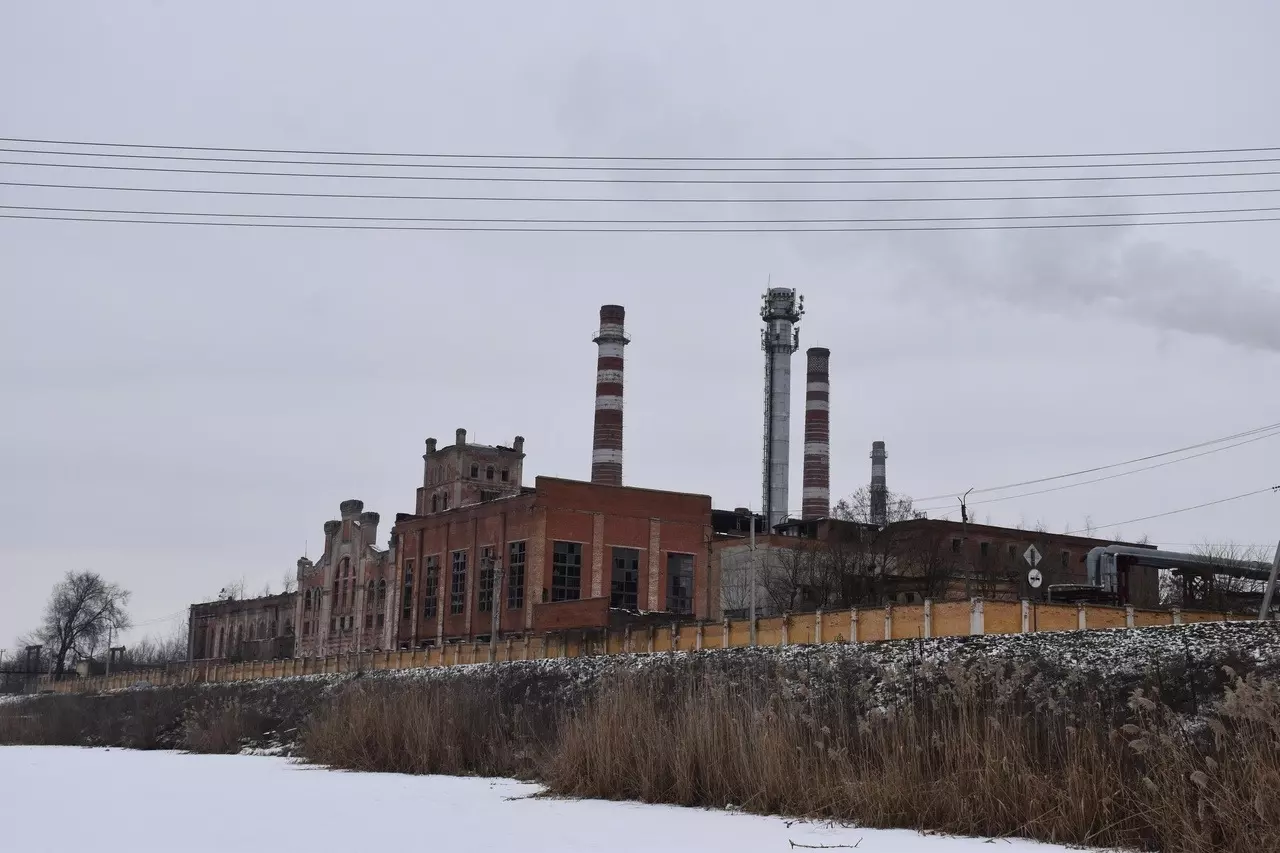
(73, 799)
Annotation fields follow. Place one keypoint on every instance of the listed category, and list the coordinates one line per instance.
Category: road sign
(1035, 578)
(1032, 556)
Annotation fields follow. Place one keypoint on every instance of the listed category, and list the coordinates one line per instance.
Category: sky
(187, 406)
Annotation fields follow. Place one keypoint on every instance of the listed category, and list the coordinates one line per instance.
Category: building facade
(242, 629)
(344, 598)
(829, 562)
(558, 555)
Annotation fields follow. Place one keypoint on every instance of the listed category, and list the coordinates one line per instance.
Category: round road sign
(1035, 578)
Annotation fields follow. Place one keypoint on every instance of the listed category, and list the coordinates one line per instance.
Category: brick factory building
(560, 555)
(808, 564)
(242, 629)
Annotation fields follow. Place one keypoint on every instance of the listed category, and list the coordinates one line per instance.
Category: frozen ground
(109, 800)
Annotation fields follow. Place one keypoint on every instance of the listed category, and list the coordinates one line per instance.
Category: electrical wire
(632, 168)
(679, 200)
(1222, 439)
(538, 220)
(1108, 477)
(1115, 524)
(1059, 156)
(560, 229)
(683, 181)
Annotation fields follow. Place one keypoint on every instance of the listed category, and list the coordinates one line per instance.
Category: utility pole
(1265, 613)
(753, 579)
(495, 566)
(109, 629)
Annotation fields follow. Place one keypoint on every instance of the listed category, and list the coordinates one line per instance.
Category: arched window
(382, 592)
(368, 594)
(444, 501)
(345, 584)
(488, 473)
(337, 584)
(475, 471)
(346, 566)
(435, 503)
(407, 603)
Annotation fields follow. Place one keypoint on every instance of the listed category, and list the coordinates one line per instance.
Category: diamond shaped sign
(1032, 556)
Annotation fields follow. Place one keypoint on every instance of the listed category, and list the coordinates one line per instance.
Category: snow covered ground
(108, 800)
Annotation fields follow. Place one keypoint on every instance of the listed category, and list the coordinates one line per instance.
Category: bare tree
(289, 583)
(1216, 591)
(797, 579)
(159, 649)
(234, 591)
(82, 612)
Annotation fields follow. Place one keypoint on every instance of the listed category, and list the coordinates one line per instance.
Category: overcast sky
(187, 406)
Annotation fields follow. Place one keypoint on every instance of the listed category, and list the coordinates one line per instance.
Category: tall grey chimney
(879, 491)
(779, 339)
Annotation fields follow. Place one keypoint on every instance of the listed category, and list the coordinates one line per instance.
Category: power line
(680, 200)
(633, 168)
(1059, 156)
(686, 181)
(645, 230)
(1109, 476)
(541, 220)
(1184, 509)
(1225, 438)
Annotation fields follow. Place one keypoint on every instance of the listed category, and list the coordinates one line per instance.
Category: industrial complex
(488, 553)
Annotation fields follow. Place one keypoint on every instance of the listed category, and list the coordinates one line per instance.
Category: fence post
(1082, 621)
(724, 634)
(786, 622)
(1026, 615)
(853, 625)
(977, 617)
(817, 626)
(1177, 615)
(650, 648)
(697, 638)
(928, 618)
(674, 635)
(1128, 615)
(888, 621)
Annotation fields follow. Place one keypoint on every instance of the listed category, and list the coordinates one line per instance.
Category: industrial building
(484, 555)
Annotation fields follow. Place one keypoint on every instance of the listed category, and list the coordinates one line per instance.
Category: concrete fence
(860, 625)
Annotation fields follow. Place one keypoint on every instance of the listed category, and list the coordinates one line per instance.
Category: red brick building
(559, 555)
(242, 629)
(344, 598)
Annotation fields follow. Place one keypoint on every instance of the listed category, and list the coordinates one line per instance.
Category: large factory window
(406, 604)
(680, 583)
(432, 592)
(515, 575)
(458, 583)
(626, 578)
(566, 571)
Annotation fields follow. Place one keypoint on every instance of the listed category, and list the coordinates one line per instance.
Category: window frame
(566, 571)
(516, 576)
(672, 577)
(458, 582)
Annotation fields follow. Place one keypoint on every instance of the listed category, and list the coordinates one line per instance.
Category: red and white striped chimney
(606, 449)
(815, 500)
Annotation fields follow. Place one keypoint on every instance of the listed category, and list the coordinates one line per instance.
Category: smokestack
(606, 449)
(879, 491)
(816, 497)
(782, 309)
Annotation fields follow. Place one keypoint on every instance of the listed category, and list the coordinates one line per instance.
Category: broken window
(368, 596)
(488, 473)
(515, 576)
(488, 495)
(306, 628)
(368, 620)
(625, 585)
(432, 591)
(955, 546)
(382, 593)
(380, 620)
(983, 547)
(680, 583)
(458, 583)
(485, 597)
(407, 600)
(566, 571)
(506, 475)
(444, 501)
(1013, 552)
(435, 503)
(475, 471)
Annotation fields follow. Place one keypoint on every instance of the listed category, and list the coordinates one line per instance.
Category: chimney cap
(817, 351)
(350, 507)
(460, 437)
